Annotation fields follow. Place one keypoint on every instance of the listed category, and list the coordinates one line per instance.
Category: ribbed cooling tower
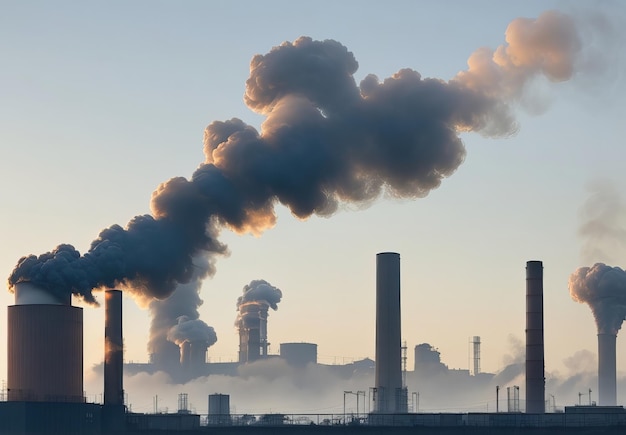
(607, 390)
(113, 349)
(388, 335)
(45, 348)
(535, 380)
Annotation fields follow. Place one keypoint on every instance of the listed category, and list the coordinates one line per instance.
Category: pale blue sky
(101, 103)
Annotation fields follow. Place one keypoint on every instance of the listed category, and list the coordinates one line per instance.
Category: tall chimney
(535, 380)
(113, 349)
(389, 386)
(607, 390)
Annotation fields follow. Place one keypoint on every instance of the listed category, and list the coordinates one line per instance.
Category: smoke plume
(167, 314)
(191, 331)
(603, 227)
(257, 296)
(603, 288)
(325, 140)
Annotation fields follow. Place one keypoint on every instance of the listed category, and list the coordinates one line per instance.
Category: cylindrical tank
(113, 348)
(219, 409)
(607, 365)
(45, 348)
(388, 335)
(299, 354)
(535, 365)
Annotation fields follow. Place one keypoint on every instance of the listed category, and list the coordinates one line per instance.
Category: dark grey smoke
(603, 288)
(257, 297)
(149, 257)
(603, 223)
(325, 140)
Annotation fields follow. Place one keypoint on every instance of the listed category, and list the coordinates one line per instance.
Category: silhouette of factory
(45, 374)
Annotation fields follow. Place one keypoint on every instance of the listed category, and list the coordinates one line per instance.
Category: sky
(103, 103)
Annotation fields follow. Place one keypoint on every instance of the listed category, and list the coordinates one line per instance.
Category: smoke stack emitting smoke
(600, 286)
(603, 288)
(325, 140)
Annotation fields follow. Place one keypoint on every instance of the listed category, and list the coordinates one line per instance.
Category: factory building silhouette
(45, 394)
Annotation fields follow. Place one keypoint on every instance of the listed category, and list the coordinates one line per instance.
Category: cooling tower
(535, 380)
(113, 349)
(607, 390)
(389, 388)
(45, 347)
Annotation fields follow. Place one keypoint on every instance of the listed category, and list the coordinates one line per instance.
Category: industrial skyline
(512, 199)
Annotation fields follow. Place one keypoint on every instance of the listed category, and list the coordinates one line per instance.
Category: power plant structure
(535, 365)
(391, 394)
(45, 335)
(45, 374)
(253, 331)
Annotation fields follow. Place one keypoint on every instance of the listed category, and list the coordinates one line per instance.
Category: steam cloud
(325, 140)
(603, 288)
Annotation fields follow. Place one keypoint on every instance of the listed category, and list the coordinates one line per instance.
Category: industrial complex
(45, 376)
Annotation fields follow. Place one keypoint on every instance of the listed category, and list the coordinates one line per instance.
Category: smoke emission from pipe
(189, 331)
(257, 296)
(166, 314)
(603, 288)
(325, 140)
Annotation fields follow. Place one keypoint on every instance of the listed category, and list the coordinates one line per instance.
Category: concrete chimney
(389, 388)
(535, 365)
(113, 349)
(607, 378)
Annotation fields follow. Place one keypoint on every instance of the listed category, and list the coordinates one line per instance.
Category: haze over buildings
(128, 115)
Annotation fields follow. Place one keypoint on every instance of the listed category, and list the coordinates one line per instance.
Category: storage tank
(299, 354)
(219, 409)
(45, 347)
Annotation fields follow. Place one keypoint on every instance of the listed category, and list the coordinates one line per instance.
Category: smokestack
(113, 349)
(476, 351)
(603, 288)
(253, 308)
(389, 387)
(535, 365)
(607, 381)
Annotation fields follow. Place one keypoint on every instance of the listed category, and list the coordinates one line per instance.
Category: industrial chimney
(113, 418)
(535, 380)
(390, 394)
(113, 349)
(607, 379)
